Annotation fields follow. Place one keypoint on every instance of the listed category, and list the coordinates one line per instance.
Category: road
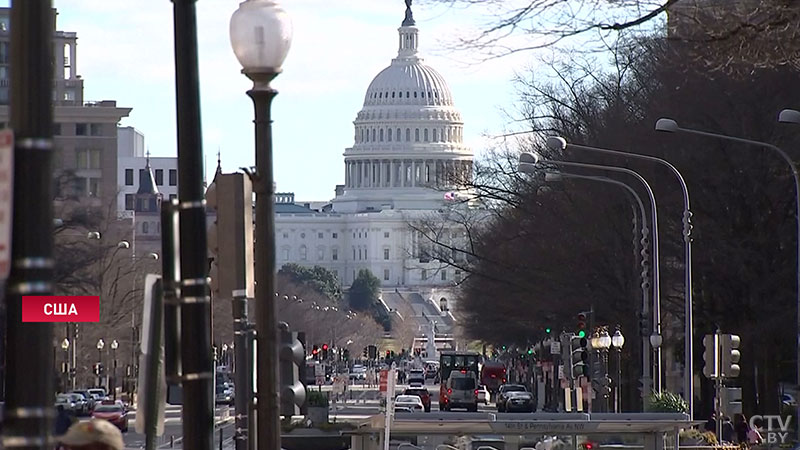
(173, 431)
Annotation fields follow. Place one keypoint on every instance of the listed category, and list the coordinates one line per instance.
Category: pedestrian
(63, 421)
(728, 431)
(744, 433)
(95, 434)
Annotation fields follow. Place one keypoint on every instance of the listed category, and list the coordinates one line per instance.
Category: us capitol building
(407, 149)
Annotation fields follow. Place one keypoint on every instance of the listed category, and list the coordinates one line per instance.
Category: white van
(462, 392)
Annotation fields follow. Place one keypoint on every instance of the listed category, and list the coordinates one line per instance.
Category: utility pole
(29, 382)
(195, 300)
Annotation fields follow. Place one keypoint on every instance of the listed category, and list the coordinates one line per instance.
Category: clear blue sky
(125, 53)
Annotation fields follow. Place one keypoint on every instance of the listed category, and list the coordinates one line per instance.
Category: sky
(125, 53)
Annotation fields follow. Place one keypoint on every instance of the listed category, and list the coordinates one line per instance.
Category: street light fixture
(786, 116)
(261, 34)
(529, 163)
(560, 144)
(617, 341)
(100, 345)
(113, 384)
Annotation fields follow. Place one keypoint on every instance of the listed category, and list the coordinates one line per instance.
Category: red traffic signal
(325, 347)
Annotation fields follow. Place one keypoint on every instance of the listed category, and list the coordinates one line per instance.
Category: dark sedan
(519, 401)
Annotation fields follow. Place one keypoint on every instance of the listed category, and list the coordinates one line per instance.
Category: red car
(423, 394)
(112, 412)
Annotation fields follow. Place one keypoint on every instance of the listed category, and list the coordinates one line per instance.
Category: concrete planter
(318, 415)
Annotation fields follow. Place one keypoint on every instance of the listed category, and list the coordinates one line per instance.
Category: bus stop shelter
(653, 427)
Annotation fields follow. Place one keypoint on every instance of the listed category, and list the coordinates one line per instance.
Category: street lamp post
(100, 345)
(617, 341)
(113, 383)
(557, 143)
(786, 116)
(601, 342)
(65, 369)
(645, 285)
(261, 34)
(530, 161)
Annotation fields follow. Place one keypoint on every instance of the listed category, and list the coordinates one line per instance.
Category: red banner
(60, 308)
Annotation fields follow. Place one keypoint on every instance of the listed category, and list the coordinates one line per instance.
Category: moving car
(66, 402)
(81, 404)
(493, 375)
(483, 394)
(422, 393)
(462, 392)
(416, 376)
(224, 394)
(407, 403)
(99, 394)
(113, 412)
(502, 394)
(90, 401)
(519, 401)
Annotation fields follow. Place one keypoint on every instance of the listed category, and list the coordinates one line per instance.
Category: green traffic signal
(530, 351)
(582, 333)
(547, 330)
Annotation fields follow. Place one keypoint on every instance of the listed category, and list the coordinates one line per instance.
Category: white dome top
(407, 82)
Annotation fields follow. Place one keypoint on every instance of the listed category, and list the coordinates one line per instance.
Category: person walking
(63, 421)
(740, 427)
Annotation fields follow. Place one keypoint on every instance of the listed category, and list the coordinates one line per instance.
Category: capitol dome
(408, 148)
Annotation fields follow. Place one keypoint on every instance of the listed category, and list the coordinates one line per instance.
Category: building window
(88, 158)
(96, 129)
(286, 235)
(444, 275)
(320, 254)
(390, 135)
(386, 254)
(159, 177)
(398, 135)
(385, 274)
(285, 254)
(365, 254)
(359, 254)
(381, 134)
(354, 253)
(458, 276)
(173, 177)
(130, 202)
(303, 253)
(80, 129)
(416, 135)
(302, 235)
(424, 274)
(359, 235)
(373, 135)
(425, 133)
(128, 177)
(335, 254)
(94, 187)
(335, 235)
(145, 227)
(386, 234)
(319, 235)
(408, 134)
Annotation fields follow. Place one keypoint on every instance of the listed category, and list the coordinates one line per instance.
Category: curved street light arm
(644, 274)
(793, 167)
(654, 221)
(687, 247)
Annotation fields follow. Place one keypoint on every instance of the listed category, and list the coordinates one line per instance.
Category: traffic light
(366, 352)
(345, 354)
(581, 331)
(711, 356)
(548, 330)
(292, 355)
(324, 351)
(315, 351)
(644, 324)
(579, 357)
(373, 352)
(731, 400)
(729, 355)
(388, 354)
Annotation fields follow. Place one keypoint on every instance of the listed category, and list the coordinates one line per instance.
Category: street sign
(320, 380)
(555, 348)
(6, 199)
(384, 377)
(319, 370)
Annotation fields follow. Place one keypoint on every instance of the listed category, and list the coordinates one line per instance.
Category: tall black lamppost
(617, 341)
(113, 383)
(601, 343)
(65, 372)
(261, 34)
(100, 346)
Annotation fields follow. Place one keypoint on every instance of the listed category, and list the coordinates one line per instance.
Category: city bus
(449, 361)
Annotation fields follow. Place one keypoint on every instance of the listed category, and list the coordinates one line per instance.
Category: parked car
(462, 392)
(502, 394)
(405, 403)
(483, 394)
(90, 401)
(519, 401)
(99, 394)
(113, 412)
(66, 402)
(422, 393)
(416, 377)
(224, 395)
(81, 404)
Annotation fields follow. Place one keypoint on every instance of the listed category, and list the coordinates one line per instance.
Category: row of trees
(546, 251)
